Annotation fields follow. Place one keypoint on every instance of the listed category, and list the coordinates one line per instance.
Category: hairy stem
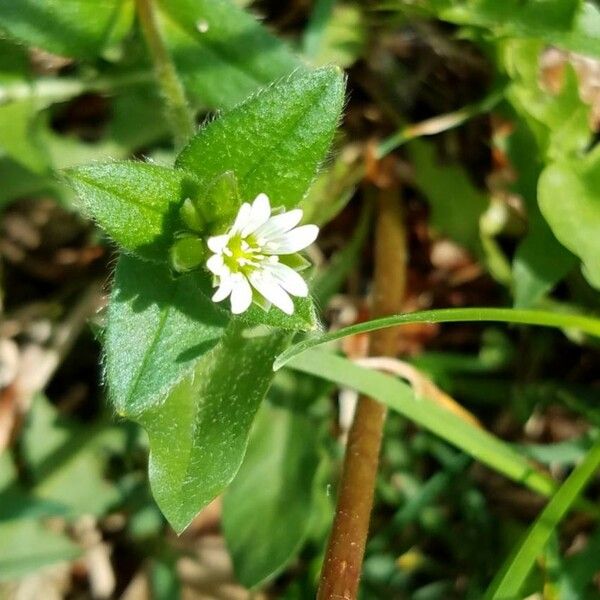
(178, 110)
(343, 559)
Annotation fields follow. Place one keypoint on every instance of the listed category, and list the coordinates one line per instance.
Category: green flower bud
(187, 253)
(191, 216)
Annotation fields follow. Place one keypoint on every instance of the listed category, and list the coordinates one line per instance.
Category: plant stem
(343, 559)
(178, 110)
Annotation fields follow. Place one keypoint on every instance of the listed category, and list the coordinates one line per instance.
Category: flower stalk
(341, 571)
(178, 111)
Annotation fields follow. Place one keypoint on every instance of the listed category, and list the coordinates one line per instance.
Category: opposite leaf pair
(176, 362)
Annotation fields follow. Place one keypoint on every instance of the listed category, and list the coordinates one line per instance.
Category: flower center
(243, 255)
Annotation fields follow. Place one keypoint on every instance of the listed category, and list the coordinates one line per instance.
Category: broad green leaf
(267, 507)
(19, 139)
(275, 141)
(540, 261)
(568, 197)
(571, 24)
(79, 28)
(222, 52)
(158, 326)
(16, 502)
(399, 397)
(199, 431)
(336, 34)
(512, 576)
(541, 318)
(135, 203)
(18, 181)
(559, 122)
(28, 545)
(67, 460)
(456, 205)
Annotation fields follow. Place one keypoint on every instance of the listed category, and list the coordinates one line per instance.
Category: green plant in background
(212, 294)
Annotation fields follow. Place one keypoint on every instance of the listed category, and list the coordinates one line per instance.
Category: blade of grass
(542, 318)
(512, 576)
(398, 396)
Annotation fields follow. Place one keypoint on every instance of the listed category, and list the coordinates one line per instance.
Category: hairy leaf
(136, 203)
(158, 326)
(275, 141)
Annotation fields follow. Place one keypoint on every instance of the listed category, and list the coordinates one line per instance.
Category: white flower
(246, 259)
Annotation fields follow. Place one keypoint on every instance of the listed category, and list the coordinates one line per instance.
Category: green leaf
(28, 545)
(18, 136)
(67, 461)
(568, 197)
(275, 141)
(512, 576)
(540, 261)
(199, 431)
(222, 52)
(275, 481)
(541, 318)
(158, 327)
(456, 205)
(559, 122)
(304, 317)
(571, 24)
(79, 28)
(399, 397)
(336, 34)
(136, 203)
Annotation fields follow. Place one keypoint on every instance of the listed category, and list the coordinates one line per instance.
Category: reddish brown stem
(343, 559)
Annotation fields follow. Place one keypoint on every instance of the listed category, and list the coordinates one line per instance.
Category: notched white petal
(216, 265)
(216, 243)
(272, 291)
(259, 214)
(289, 280)
(241, 294)
(293, 241)
(241, 219)
(225, 288)
(279, 224)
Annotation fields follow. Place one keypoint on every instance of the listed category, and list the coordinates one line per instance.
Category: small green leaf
(28, 545)
(221, 51)
(568, 197)
(275, 481)
(18, 136)
(275, 141)
(67, 461)
(539, 264)
(136, 203)
(456, 205)
(304, 317)
(571, 24)
(79, 28)
(158, 327)
(199, 431)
